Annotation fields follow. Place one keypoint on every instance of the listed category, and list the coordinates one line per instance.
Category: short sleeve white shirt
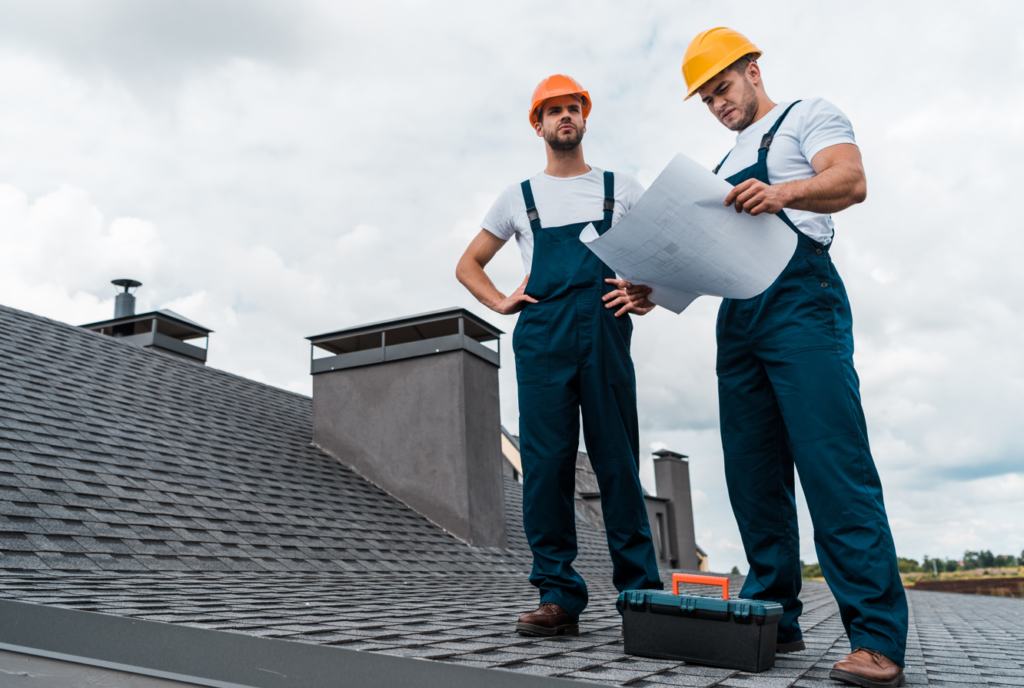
(560, 201)
(810, 127)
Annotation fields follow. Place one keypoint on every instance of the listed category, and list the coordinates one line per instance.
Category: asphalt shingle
(201, 490)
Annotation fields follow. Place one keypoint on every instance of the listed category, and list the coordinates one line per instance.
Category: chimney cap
(668, 454)
(425, 334)
(178, 326)
(483, 331)
(126, 283)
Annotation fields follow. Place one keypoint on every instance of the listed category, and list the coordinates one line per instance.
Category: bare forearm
(470, 271)
(829, 191)
(472, 276)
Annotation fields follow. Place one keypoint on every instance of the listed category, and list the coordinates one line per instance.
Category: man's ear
(754, 72)
(539, 127)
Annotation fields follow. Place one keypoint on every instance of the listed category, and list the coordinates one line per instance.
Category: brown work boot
(547, 619)
(864, 667)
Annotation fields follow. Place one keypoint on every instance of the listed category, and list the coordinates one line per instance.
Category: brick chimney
(412, 405)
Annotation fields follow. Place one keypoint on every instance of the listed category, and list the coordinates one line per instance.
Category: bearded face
(746, 108)
(731, 97)
(561, 123)
(565, 137)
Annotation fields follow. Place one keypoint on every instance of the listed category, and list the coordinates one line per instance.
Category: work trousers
(572, 356)
(789, 396)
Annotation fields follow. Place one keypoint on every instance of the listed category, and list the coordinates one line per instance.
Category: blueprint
(682, 241)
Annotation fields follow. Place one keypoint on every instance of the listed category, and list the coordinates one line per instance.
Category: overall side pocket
(802, 313)
(530, 346)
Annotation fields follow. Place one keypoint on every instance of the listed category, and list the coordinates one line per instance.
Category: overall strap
(531, 207)
(715, 171)
(609, 201)
(766, 140)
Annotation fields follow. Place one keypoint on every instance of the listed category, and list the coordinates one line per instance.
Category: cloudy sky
(278, 170)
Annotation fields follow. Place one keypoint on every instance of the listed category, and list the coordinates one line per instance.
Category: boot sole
(534, 631)
(865, 682)
(786, 648)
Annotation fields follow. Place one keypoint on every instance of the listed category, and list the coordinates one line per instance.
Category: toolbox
(700, 629)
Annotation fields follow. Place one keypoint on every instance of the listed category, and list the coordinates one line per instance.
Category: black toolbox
(700, 629)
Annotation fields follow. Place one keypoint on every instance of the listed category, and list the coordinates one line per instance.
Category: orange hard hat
(711, 52)
(558, 85)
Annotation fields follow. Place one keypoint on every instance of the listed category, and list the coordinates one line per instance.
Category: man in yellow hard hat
(788, 392)
(571, 346)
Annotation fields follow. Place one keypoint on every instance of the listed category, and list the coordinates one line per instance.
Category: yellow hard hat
(711, 52)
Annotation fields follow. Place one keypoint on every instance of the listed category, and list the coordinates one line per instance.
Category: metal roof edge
(224, 659)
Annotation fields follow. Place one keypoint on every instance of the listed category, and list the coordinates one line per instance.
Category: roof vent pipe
(124, 303)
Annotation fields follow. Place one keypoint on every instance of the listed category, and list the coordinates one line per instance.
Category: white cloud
(360, 239)
(58, 252)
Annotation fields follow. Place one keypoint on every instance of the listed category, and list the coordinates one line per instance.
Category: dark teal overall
(788, 395)
(572, 355)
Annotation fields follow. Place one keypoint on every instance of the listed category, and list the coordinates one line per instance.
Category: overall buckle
(766, 141)
(609, 204)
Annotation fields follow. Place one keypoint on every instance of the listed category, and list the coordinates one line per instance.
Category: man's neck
(764, 106)
(566, 163)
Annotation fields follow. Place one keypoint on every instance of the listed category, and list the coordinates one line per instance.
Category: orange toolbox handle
(678, 578)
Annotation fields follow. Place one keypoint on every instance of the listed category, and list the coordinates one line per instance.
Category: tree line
(983, 559)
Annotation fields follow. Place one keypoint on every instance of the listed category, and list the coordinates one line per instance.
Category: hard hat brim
(584, 97)
(721, 67)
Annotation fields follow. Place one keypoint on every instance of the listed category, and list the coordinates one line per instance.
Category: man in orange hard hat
(571, 345)
(787, 389)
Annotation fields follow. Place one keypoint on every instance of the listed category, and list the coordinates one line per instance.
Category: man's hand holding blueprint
(682, 241)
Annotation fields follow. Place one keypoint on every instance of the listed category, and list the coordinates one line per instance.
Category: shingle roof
(954, 640)
(116, 458)
(202, 490)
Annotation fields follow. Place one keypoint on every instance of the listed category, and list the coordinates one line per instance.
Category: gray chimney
(163, 331)
(412, 405)
(672, 477)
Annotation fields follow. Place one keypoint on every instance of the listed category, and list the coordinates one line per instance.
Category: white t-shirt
(810, 127)
(560, 201)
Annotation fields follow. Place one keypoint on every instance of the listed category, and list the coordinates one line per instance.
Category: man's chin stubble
(566, 145)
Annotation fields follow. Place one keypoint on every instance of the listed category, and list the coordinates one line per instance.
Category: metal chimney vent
(124, 303)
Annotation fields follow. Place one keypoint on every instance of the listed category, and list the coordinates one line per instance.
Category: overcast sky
(278, 170)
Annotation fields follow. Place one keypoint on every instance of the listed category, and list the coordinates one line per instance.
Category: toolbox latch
(688, 604)
(636, 599)
(742, 610)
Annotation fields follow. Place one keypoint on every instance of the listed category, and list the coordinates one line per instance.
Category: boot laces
(875, 654)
